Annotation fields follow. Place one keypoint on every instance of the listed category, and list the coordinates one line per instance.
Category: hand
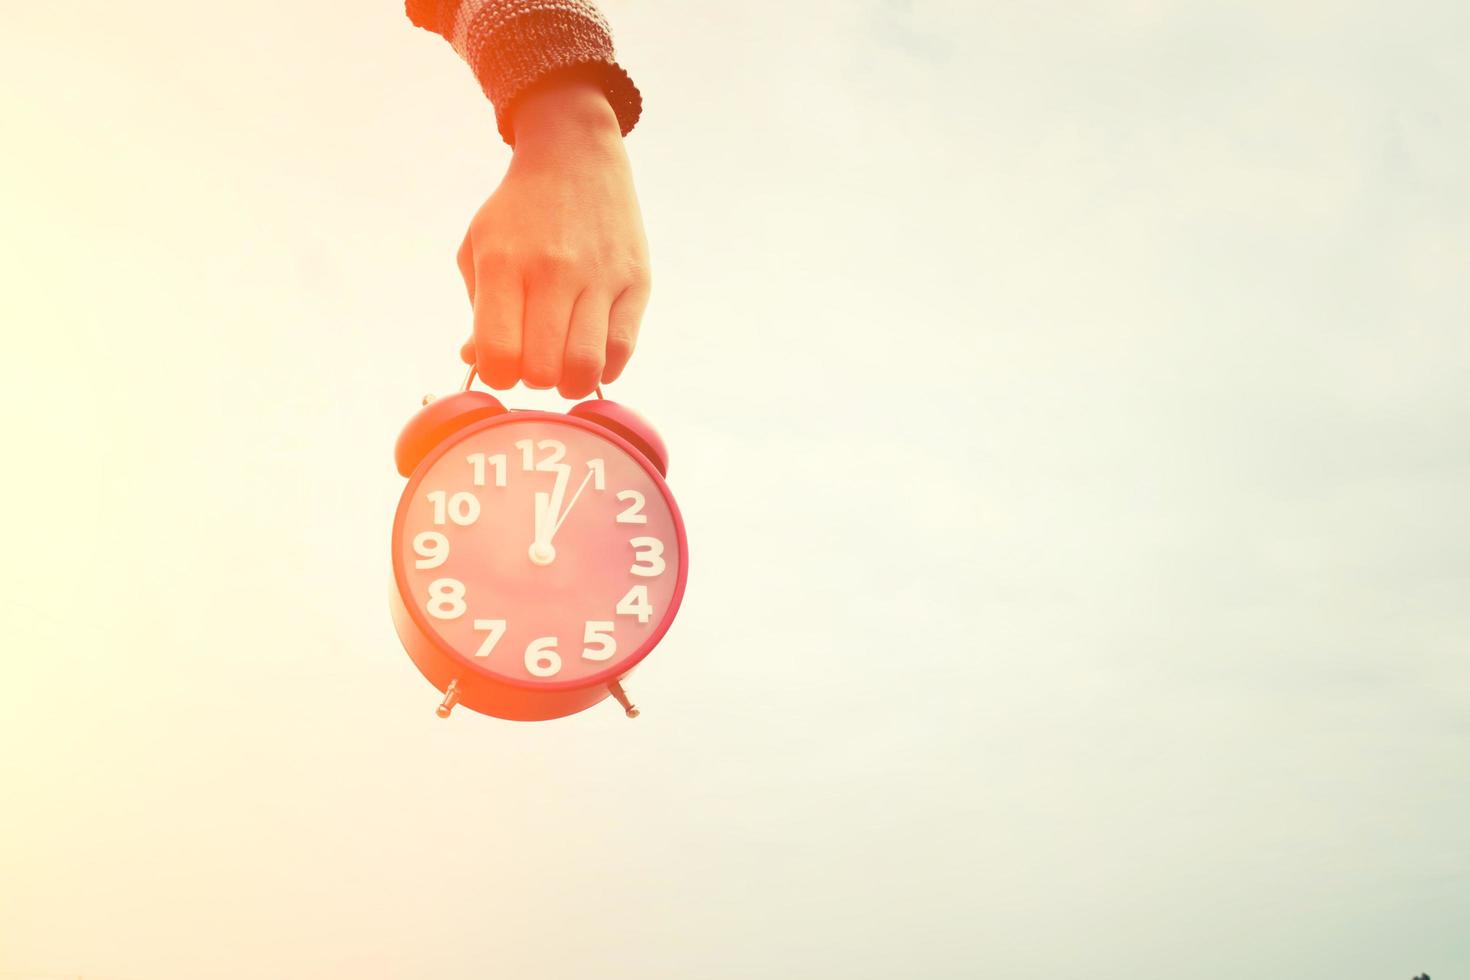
(555, 262)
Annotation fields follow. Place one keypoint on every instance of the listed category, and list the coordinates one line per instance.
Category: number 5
(599, 632)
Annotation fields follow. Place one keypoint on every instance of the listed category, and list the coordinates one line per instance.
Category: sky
(1069, 405)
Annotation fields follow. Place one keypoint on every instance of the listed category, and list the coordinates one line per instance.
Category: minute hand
(573, 503)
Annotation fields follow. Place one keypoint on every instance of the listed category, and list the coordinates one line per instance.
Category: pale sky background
(1069, 404)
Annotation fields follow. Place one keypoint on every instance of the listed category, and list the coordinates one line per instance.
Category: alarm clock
(538, 557)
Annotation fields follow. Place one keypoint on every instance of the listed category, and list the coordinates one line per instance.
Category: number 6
(542, 660)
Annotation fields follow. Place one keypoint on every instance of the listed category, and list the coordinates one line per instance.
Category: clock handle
(469, 379)
(619, 418)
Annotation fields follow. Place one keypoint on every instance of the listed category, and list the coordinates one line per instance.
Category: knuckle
(553, 262)
(499, 350)
(491, 260)
(583, 359)
(496, 338)
(538, 371)
(619, 347)
(493, 333)
(637, 273)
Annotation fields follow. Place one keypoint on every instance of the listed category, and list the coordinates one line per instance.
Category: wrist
(563, 112)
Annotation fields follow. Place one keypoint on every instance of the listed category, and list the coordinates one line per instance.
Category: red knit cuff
(621, 94)
(430, 14)
(513, 44)
(524, 49)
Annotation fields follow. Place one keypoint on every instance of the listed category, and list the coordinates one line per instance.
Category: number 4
(635, 603)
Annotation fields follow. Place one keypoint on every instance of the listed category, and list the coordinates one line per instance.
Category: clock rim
(420, 621)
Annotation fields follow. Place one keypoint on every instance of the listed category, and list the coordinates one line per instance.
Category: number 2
(634, 513)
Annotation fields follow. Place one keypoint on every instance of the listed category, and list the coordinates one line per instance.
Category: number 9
(432, 549)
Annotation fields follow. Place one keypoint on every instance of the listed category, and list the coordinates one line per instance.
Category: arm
(512, 44)
(555, 261)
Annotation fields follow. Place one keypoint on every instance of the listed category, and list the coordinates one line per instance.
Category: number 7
(495, 628)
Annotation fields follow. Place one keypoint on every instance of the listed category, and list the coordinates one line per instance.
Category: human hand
(555, 261)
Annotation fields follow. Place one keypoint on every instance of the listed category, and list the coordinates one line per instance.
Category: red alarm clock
(538, 557)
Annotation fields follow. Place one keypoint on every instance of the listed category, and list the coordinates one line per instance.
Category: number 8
(446, 598)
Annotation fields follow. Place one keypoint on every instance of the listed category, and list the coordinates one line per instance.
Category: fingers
(585, 352)
(498, 312)
(622, 329)
(548, 322)
(551, 292)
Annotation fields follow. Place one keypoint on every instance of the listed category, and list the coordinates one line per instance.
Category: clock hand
(558, 494)
(563, 517)
(541, 551)
(543, 506)
(547, 505)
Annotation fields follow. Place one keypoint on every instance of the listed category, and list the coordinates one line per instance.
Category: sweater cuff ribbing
(528, 47)
(428, 14)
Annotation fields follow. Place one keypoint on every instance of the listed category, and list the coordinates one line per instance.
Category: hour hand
(541, 550)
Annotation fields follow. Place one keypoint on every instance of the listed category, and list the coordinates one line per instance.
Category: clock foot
(622, 698)
(451, 698)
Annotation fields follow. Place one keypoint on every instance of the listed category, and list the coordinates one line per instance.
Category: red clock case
(427, 436)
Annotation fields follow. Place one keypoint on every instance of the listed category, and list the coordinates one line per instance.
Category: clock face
(541, 550)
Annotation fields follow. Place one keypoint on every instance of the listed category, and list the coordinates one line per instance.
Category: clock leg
(622, 698)
(451, 698)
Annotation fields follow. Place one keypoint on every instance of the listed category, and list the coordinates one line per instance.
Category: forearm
(566, 120)
(519, 47)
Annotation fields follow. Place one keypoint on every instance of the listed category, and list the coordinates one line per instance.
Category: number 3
(648, 557)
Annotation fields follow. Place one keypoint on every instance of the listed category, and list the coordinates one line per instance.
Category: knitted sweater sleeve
(511, 44)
